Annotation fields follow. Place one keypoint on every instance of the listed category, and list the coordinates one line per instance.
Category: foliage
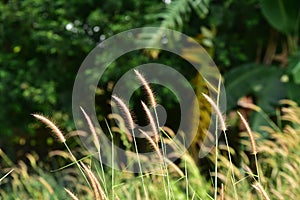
(42, 46)
(40, 60)
(274, 76)
(278, 158)
(254, 43)
(34, 46)
(32, 180)
(240, 30)
(174, 16)
(261, 82)
(284, 16)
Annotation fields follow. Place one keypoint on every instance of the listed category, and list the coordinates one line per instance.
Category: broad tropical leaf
(282, 15)
(261, 82)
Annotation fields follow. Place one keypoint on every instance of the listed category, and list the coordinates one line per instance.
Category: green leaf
(293, 74)
(282, 15)
(296, 73)
(293, 91)
(261, 82)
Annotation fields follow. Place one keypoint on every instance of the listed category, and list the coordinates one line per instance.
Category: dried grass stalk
(258, 187)
(126, 111)
(222, 192)
(156, 148)
(153, 144)
(251, 135)
(218, 112)
(3, 177)
(152, 123)
(73, 196)
(147, 88)
(52, 126)
(46, 185)
(92, 129)
(96, 187)
(248, 105)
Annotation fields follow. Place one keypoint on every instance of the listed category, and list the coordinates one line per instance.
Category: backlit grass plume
(60, 136)
(152, 122)
(125, 110)
(218, 112)
(147, 88)
(73, 196)
(251, 135)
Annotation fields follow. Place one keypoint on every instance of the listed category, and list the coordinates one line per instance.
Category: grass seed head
(147, 88)
(92, 129)
(218, 112)
(73, 196)
(152, 122)
(251, 135)
(258, 187)
(126, 111)
(61, 138)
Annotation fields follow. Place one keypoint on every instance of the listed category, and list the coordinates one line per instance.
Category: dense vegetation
(254, 44)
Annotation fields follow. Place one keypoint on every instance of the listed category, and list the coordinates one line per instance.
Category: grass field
(264, 168)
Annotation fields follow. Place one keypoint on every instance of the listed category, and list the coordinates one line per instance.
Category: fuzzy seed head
(73, 196)
(153, 144)
(151, 120)
(251, 135)
(92, 129)
(97, 189)
(125, 110)
(147, 88)
(218, 112)
(258, 187)
(52, 126)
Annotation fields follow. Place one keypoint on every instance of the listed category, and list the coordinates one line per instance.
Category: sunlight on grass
(267, 169)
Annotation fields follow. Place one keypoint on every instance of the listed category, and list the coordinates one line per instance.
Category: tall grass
(269, 167)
